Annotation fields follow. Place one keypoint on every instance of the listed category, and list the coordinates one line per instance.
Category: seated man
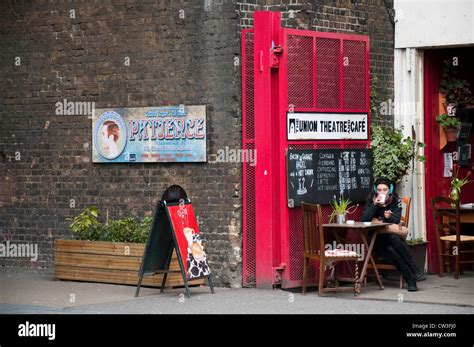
(385, 205)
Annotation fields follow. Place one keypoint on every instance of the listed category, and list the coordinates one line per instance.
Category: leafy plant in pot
(418, 249)
(86, 226)
(393, 152)
(456, 90)
(450, 126)
(340, 209)
(107, 252)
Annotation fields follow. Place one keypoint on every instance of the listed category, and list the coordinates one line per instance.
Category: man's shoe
(411, 286)
(419, 277)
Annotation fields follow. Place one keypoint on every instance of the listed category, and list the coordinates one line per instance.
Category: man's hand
(387, 214)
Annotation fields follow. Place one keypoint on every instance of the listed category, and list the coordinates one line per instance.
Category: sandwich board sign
(175, 227)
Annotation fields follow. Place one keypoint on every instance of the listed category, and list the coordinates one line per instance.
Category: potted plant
(340, 210)
(450, 126)
(458, 183)
(393, 152)
(456, 90)
(109, 252)
(418, 249)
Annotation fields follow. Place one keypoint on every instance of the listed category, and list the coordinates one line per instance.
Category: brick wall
(364, 17)
(179, 52)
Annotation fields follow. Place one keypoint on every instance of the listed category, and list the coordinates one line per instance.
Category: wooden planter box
(108, 262)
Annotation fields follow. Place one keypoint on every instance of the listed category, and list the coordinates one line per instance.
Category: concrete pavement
(35, 293)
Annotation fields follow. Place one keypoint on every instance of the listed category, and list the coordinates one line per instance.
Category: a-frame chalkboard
(174, 227)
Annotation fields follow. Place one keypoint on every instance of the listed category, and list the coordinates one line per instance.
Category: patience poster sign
(149, 134)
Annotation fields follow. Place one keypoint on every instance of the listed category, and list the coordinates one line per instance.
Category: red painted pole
(266, 29)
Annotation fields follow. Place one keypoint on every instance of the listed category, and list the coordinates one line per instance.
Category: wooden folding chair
(449, 241)
(314, 249)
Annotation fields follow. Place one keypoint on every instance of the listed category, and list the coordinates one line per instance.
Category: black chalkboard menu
(318, 175)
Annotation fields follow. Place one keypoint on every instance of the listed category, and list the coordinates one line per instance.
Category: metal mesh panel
(295, 217)
(355, 145)
(354, 68)
(327, 73)
(249, 87)
(295, 226)
(295, 222)
(250, 228)
(328, 146)
(300, 71)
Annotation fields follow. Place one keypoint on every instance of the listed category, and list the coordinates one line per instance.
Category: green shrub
(86, 226)
(142, 231)
(374, 98)
(393, 153)
(120, 230)
(415, 241)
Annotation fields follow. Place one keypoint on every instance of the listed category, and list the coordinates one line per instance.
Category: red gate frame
(269, 253)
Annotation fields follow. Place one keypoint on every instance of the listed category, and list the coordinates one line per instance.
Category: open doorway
(457, 65)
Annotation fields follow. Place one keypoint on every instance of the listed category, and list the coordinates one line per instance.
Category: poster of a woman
(196, 258)
(190, 241)
(110, 136)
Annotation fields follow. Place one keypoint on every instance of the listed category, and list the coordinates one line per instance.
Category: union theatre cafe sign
(149, 134)
(327, 126)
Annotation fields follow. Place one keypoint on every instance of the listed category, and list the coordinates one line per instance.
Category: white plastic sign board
(327, 126)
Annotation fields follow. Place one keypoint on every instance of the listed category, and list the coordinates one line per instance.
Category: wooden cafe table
(363, 229)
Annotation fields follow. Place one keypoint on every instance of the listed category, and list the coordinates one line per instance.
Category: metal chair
(447, 223)
(314, 249)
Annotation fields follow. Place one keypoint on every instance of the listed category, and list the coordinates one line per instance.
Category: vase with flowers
(457, 183)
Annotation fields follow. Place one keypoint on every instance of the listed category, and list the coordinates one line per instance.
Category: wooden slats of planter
(108, 262)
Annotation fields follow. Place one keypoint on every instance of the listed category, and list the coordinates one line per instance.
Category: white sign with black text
(327, 126)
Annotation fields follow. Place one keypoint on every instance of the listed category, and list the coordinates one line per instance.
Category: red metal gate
(289, 70)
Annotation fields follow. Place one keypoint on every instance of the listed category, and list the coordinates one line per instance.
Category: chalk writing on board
(317, 175)
(302, 172)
